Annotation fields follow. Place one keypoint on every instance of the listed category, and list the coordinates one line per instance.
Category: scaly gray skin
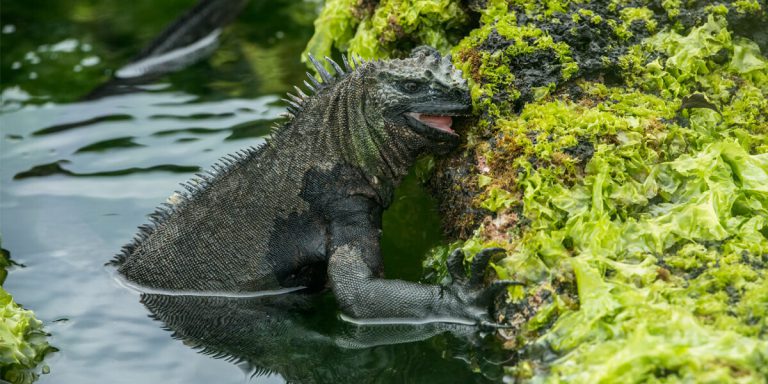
(305, 208)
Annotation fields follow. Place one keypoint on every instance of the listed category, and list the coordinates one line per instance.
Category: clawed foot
(471, 288)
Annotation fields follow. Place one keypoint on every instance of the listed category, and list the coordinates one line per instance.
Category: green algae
(667, 220)
(388, 28)
(23, 342)
(621, 156)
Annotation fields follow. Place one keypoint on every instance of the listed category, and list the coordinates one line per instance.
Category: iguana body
(305, 208)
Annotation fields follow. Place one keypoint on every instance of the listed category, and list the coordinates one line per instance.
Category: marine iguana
(305, 208)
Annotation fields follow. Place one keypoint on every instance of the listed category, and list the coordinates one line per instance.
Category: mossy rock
(621, 158)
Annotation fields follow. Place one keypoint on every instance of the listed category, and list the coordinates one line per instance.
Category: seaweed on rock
(621, 158)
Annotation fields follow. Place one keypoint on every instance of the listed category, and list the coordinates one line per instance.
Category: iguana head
(381, 115)
(423, 93)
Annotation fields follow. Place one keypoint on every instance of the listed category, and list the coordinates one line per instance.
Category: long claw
(455, 265)
(494, 289)
(480, 263)
(491, 326)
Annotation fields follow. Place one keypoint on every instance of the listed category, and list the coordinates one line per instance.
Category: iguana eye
(411, 86)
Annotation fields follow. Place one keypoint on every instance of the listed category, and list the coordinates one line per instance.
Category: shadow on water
(77, 178)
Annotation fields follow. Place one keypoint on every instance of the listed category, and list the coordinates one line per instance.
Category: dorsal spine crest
(230, 162)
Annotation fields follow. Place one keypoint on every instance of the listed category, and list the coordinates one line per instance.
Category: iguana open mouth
(438, 122)
(441, 122)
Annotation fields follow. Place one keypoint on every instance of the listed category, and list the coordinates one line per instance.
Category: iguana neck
(345, 130)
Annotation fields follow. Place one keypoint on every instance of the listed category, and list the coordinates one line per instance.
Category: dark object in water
(192, 37)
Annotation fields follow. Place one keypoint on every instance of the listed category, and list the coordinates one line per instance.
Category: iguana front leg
(355, 274)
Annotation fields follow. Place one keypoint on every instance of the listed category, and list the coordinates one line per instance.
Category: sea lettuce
(374, 30)
(23, 341)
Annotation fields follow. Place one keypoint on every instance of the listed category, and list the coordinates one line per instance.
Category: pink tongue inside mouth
(442, 123)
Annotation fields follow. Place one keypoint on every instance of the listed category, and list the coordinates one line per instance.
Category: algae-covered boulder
(620, 155)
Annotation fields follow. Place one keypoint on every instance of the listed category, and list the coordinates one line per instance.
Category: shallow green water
(76, 178)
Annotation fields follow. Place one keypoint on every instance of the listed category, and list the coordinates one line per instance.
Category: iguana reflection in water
(296, 336)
